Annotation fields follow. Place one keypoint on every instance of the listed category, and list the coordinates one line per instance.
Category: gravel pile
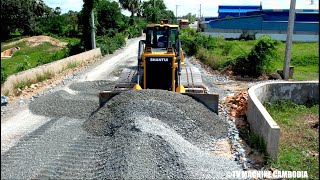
(161, 135)
(79, 105)
(185, 115)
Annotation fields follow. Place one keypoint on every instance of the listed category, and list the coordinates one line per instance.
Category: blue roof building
(233, 20)
(236, 11)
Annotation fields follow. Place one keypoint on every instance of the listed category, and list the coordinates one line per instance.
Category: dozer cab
(161, 65)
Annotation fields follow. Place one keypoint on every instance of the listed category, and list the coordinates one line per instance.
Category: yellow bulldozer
(161, 65)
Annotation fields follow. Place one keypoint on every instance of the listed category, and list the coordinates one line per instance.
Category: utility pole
(200, 12)
(177, 12)
(93, 39)
(287, 57)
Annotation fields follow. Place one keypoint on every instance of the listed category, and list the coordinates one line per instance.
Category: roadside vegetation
(299, 139)
(29, 57)
(112, 29)
(251, 57)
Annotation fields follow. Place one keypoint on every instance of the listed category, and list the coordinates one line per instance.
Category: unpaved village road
(138, 135)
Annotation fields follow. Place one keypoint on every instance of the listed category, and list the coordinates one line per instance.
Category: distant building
(234, 20)
(236, 11)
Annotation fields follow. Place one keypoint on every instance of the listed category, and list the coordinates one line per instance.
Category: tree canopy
(155, 10)
(109, 17)
(190, 17)
(21, 16)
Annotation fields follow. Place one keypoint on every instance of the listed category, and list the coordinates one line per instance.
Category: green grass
(28, 82)
(30, 57)
(304, 55)
(297, 137)
(30, 54)
(72, 64)
(304, 58)
(44, 76)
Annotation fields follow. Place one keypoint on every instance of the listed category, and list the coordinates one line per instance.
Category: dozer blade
(211, 101)
(105, 96)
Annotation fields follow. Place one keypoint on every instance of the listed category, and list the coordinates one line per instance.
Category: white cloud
(208, 7)
(65, 5)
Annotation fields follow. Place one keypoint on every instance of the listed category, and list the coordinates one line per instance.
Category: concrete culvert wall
(260, 120)
(9, 52)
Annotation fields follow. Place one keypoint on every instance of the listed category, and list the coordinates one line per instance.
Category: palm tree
(132, 6)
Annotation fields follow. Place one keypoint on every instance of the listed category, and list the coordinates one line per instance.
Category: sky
(208, 7)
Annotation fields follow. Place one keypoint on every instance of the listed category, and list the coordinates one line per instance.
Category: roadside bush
(193, 41)
(136, 29)
(258, 60)
(189, 45)
(226, 48)
(42, 61)
(245, 35)
(207, 58)
(24, 66)
(3, 74)
(75, 48)
(109, 44)
(63, 53)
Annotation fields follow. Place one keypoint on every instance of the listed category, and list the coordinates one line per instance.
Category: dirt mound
(36, 40)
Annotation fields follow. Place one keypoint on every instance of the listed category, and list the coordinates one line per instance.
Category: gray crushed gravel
(80, 105)
(147, 134)
(178, 125)
(153, 135)
(179, 111)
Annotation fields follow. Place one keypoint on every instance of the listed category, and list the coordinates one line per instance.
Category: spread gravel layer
(80, 104)
(146, 134)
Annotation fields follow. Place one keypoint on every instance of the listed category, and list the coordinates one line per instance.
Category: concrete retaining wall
(53, 67)
(260, 120)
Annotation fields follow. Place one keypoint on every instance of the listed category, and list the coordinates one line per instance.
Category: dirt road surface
(63, 135)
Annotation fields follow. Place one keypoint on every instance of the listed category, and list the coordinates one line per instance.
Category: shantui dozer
(161, 66)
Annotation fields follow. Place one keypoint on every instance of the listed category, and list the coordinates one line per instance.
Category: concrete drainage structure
(260, 120)
(9, 52)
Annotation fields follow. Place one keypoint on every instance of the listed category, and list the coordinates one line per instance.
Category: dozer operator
(161, 66)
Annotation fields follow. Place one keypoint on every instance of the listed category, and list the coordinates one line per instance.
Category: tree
(72, 23)
(132, 6)
(155, 10)
(109, 18)
(21, 16)
(88, 6)
(168, 14)
(190, 17)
